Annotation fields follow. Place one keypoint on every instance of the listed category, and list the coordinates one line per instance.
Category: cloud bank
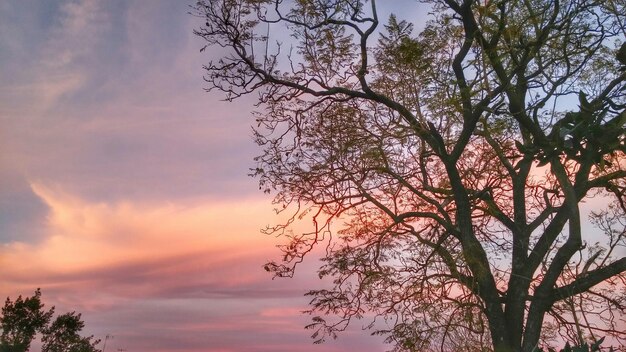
(164, 277)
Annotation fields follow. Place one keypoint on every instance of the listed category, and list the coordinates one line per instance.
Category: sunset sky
(124, 192)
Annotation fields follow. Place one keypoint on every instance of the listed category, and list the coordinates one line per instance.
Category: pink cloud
(124, 241)
(281, 312)
(165, 277)
(160, 277)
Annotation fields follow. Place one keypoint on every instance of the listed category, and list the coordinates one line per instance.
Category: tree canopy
(23, 319)
(443, 171)
(63, 335)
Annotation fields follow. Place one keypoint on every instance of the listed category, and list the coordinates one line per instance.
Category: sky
(124, 192)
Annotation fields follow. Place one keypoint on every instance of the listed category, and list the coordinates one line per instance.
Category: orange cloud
(87, 240)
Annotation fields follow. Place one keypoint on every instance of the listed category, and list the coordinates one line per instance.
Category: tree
(63, 336)
(21, 320)
(453, 162)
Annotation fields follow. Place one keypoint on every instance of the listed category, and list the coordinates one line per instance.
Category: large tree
(443, 171)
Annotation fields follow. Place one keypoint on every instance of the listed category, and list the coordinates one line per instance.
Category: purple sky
(123, 187)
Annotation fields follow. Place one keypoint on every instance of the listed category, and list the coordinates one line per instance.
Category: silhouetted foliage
(585, 347)
(443, 171)
(63, 335)
(23, 319)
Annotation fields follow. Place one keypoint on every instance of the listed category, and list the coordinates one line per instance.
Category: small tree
(456, 160)
(21, 320)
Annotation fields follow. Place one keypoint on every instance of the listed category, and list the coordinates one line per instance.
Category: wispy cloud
(126, 240)
(163, 277)
(58, 64)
